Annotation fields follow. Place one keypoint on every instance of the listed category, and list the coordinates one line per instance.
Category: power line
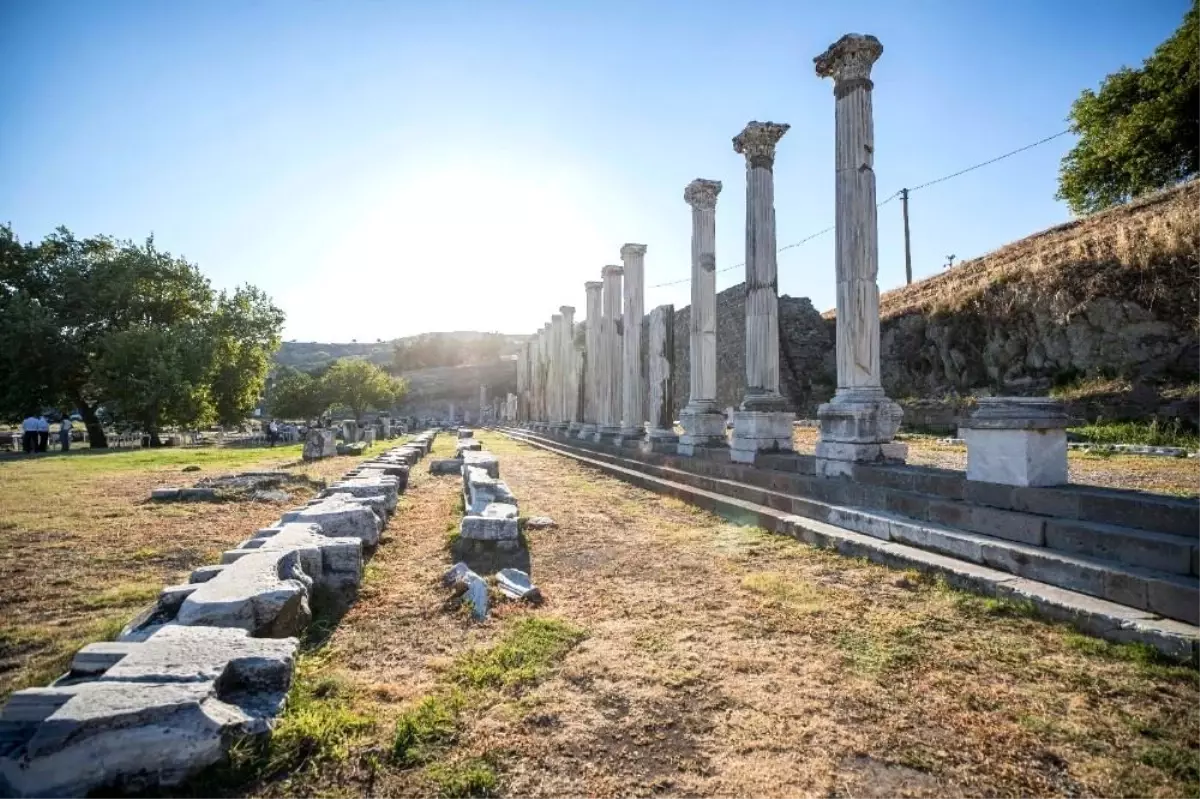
(812, 236)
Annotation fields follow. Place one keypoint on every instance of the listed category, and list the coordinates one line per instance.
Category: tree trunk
(95, 430)
(155, 441)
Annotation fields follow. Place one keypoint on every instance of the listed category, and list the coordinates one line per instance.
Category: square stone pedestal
(573, 429)
(858, 427)
(1019, 441)
(607, 434)
(760, 431)
(587, 432)
(702, 428)
(664, 441)
(631, 437)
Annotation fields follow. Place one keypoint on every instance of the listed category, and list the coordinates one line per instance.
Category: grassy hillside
(436, 349)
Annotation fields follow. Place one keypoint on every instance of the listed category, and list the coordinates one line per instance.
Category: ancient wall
(431, 390)
(806, 358)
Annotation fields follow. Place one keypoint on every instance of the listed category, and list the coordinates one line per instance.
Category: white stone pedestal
(760, 431)
(607, 434)
(587, 432)
(703, 426)
(1019, 441)
(664, 441)
(573, 429)
(858, 427)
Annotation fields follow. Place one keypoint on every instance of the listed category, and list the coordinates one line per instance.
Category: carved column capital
(702, 194)
(757, 142)
(630, 250)
(848, 61)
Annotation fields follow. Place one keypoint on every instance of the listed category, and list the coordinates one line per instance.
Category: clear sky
(385, 168)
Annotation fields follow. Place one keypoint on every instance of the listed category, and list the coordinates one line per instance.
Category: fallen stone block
(319, 444)
(369, 486)
(468, 445)
(265, 592)
(353, 448)
(516, 584)
(445, 466)
(540, 523)
(465, 433)
(157, 712)
(338, 517)
(481, 489)
(483, 459)
(497, 521)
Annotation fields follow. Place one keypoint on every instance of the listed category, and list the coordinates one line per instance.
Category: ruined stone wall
(431, 390)
(806, 353)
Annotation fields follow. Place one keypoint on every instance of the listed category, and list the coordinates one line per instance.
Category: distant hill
(422, 351)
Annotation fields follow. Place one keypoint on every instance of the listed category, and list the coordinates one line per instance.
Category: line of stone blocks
(211, 661)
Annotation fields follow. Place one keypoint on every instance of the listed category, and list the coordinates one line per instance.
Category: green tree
(245, 330)
(1141, 131)
(361, 386)
(297, 395)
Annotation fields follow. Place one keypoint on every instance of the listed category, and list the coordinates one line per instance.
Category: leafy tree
(361, 386)
(297, 395)
(1141, 131)
(91, 322)
(245, 333)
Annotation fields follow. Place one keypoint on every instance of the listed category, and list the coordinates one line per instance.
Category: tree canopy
(97, 322)
(1141, 131)
(361, 386)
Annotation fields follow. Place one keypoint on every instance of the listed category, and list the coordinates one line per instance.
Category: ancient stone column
(555, 374)
(860, 422)
(569, 376)
(702, 421)
(763, 423)
(660, 435)
(483, 401)
(608, 427)
(592, 346)
(578, 387)
(633, 427)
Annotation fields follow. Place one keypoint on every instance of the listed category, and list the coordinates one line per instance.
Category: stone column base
(607, 434)
(702, 428)
(858, 426)
(760, 431)
(664, 441)
(631, 436)
(573, 429)
(587, 431)
(1019, 441)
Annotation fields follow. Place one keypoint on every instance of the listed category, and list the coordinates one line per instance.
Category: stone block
(1145, 512)
(205, 573)
(1007, 525)
(480, 490)
(494, 522)
(363, 487)
(516, 584)
(339, 517)
(1035, 457)
(1175, 599)
(446, 466)
(465, 433)
(319, 444)
(468, 445)
(1159, 551)
(265, 592)
(483, 460)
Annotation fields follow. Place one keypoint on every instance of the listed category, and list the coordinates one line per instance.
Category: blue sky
(385, 168)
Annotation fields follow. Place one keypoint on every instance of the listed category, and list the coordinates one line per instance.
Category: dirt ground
(716, 660)
(82, 550)
(1179, 476)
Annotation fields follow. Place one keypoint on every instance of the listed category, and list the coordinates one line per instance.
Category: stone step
(1040, 517)
(1109, 620)
(1176, 596)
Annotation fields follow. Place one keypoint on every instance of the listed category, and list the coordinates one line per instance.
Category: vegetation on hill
(351, 383)
(401, 355)
(129, 332)
(1141, 131)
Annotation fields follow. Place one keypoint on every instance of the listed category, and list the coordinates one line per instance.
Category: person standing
(64, 433)
(43, 442)
(29, 434)
(272, 432)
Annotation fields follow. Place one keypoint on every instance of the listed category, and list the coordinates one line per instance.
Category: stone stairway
(1117, 564)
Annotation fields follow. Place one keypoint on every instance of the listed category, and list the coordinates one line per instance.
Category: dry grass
(1159, 227)
(1178, 476)
(81, 550)
(720, 660)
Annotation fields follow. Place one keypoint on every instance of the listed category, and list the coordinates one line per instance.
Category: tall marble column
(608, 427)
(592, 346)
(660, 351)
(555, 375)
(702, 420)
(633, 401)
(567, 353)
(763, 423)
(483, 402)
(860, 422)
(543, 369)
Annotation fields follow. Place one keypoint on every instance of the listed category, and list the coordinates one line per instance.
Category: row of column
(598, 392)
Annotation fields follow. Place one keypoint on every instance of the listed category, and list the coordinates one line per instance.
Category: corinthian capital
(757, 142)
(630, 250)
(702, 194)
(848, 61)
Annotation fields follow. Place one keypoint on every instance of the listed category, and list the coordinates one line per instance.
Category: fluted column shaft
(632, 388)
(566, 350)
(702, 340)
(591, 385)
(609, 374)
(757, 142)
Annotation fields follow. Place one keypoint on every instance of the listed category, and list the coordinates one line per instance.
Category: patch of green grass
(875, 652)
(984, 607)
(465, 778)
(319, 725)
(146, 553)
(784, 592)
(1152, 434)
(1180, 762)
(1149, 660)
(428, 727)
(525, 652)
(90, 462)
(122, 595)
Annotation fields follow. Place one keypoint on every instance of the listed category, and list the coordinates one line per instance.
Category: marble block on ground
(496, 521)
(483, 460)
(339, 516)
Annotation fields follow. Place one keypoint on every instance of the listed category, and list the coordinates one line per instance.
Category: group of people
(35, 434)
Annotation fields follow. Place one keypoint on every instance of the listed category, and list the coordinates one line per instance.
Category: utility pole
(907, 248)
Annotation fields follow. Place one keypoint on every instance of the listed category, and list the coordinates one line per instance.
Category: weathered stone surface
(161, 711)
(480, 490)
(465, 433)
(483, 460)
(388, 487)
(446, 466)
(496, 521)
(539, 523)
(338, 517)
(467, 445)
(516, 584)
(266, 593)
(319, 443)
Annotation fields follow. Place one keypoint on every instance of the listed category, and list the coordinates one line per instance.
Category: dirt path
(720, 661)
